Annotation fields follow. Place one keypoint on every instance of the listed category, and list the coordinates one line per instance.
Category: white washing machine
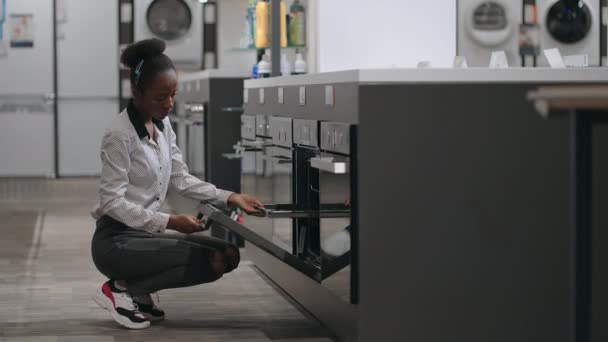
(178, 22)
(572, 26)
(486, 26)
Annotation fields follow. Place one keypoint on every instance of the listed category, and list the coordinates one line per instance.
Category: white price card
(460, 62)
(554, 57)
(499, 60)
(423, 65)
(577, 61)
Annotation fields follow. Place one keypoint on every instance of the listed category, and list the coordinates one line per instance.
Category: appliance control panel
(306, 132)
(335, 137)
(262, 127)
(281, 131)
(248, 127)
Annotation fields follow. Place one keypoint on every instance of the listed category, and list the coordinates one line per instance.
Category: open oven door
(215, 216)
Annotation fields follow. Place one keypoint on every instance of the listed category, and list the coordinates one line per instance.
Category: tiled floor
(47, 279)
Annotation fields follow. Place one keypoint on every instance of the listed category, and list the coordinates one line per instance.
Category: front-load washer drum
(489, 24)
(169, 19)
(569, 21)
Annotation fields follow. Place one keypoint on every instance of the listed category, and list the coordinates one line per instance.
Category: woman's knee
(218, 262)
(233, 258)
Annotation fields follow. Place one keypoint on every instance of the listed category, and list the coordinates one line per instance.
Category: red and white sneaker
(148, 308)
(121, 306)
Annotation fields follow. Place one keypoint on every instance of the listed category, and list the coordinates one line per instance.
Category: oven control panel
(281, 131)
(335, 137)
(262, 127)
(306, 132)
(248, 127)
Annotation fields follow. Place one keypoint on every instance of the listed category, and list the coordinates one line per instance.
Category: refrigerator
(42, 138)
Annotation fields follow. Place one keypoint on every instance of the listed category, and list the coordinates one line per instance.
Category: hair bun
(144, 49)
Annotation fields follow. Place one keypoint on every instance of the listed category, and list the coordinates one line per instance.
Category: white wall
(385, 33)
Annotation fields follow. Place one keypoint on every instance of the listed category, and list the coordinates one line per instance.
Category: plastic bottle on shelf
(283, 24)
(264, 66)
(246, 41)
(285, 65)
(300, 65)
(252, 21)
(262, 25)
(297, 24)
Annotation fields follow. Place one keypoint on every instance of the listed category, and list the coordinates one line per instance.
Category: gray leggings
(150, 262)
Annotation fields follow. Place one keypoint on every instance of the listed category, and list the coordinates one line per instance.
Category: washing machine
(486, 26)
(178, 23)
(572, 26)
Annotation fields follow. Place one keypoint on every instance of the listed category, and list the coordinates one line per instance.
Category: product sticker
(21, 30)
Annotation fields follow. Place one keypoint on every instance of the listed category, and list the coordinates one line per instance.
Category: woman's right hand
(185, 224)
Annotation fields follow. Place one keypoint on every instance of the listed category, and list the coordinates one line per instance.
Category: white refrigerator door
(26, 96)
(88, 83)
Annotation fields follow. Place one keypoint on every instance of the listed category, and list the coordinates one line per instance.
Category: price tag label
(302, 96)
(329, 96)
(126, 13)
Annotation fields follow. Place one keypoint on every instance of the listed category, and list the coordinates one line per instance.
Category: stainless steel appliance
(572, 26)
(305, 174)
(487, 26)
(178, 22)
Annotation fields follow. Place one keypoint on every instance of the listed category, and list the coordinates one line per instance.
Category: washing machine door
(489, 24)
(569, 21)
(169, 19)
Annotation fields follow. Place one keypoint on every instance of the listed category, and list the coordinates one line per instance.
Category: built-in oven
(325, 170)
(307, 181)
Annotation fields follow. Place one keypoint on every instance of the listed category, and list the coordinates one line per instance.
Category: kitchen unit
(459, 202)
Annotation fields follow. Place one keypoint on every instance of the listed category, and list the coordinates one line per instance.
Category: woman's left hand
(248, 204)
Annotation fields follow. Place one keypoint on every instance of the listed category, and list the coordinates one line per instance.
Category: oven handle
(188, 119)
(244, 146)
(328, 164)
(330, 210)
(278, 159)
